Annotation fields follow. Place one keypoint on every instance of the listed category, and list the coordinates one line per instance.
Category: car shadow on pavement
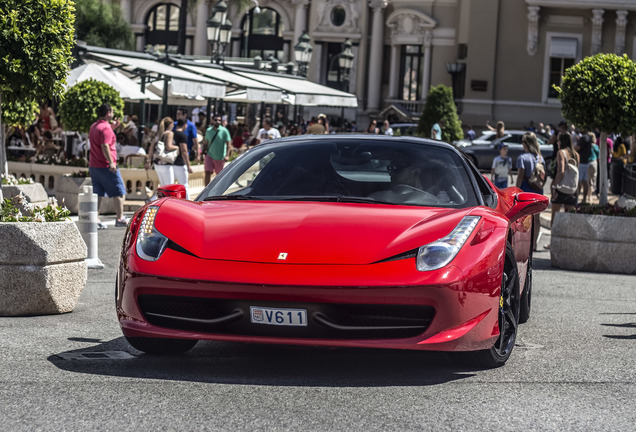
(541, 263)
(630, 325)
(275, 365)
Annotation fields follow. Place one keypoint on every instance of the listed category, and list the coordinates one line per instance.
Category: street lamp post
(219, 32)
(345, 61)
(455, 69)
(302, 52)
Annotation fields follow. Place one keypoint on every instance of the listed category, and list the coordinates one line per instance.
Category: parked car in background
(404, 129)
(483, 150)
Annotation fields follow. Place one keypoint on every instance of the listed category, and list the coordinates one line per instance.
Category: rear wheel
(526, 297)
(509, 304)
(160, 345)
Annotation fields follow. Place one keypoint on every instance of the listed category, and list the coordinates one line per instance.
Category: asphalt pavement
(573, 369)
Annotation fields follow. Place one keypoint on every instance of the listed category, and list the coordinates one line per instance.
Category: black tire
(509, 305)
(526, 297)
(161, 346)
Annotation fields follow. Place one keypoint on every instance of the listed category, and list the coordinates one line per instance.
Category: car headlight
(437, 254)
(150, 242)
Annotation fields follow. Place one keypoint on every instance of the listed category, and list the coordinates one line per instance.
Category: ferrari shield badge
(282, 256)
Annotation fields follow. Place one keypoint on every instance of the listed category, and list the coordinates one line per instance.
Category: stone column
(597, 30)
(621, 23)
(375, 55)
(201, 31)
(301, 19)
(395, 71)
(533, 30)
(426, 69)
(125, 11)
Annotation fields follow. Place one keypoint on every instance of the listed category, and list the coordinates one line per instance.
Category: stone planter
(595, 243)
(68, 188)
(34, 193)
(42, 267)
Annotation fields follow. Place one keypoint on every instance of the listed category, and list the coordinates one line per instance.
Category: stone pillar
(533, 30)
(126, 13)
(621, 23)
(597, 30)
(375, 55)
(426, 69)
(395, 71)
(236, 46)
(301, 19)
(201, 31)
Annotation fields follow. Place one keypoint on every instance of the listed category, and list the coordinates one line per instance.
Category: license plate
(278, 316)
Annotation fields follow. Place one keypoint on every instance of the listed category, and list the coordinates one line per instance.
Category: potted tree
(440, 106)
(37, 274)
(598, 93)
(78, 109)
(34, 62)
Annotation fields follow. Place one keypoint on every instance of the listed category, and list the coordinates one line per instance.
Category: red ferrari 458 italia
(356, 241)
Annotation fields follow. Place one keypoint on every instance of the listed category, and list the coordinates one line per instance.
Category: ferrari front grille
(326, 320)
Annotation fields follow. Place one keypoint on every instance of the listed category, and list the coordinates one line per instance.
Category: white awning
(174, 97)
(128, 89)
(563, 47)
(255, 91)
(195, 85)
(307, 93)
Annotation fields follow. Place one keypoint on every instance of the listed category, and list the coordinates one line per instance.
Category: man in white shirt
(388, 130)
(267, 132)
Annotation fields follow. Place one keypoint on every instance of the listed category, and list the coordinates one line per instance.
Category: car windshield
(385, 171)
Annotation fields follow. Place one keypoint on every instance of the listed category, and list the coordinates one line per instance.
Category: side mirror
(172, 190)
(527, 203)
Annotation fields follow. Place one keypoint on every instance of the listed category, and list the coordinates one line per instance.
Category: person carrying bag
(566, 179)
(164, 152)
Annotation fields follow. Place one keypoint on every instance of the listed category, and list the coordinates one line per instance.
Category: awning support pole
(164, 100)
(208, 114)
(140, 126)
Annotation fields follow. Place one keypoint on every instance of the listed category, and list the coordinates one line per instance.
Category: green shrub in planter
(79, 107)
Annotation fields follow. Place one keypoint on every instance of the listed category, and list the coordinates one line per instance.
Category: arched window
(162, 27)
(262, 34)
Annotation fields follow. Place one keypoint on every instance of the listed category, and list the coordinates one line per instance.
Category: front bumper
(382, 305)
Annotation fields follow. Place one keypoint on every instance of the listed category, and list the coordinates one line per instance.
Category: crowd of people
(574, 166)
(43, 137)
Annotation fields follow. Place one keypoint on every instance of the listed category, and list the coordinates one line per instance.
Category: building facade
(500, 56)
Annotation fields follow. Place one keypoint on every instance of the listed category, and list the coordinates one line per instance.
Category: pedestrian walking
(105, 175)
(163, 166)
(502, 168)
(387, 129)
(563, 186)
(217, 146)
(182, 168)
(526, 166)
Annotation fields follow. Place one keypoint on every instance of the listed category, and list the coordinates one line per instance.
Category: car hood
(301, 232)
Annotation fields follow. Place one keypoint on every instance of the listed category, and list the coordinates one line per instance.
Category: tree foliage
(35, 48)
(600, 92)
(101, 24)
(78, 110)
(440, 106)
(19, 113)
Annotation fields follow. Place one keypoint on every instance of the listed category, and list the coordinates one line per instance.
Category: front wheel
(508, 320)
(160, 345)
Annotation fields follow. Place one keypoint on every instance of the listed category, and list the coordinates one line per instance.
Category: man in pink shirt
(102, 165)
